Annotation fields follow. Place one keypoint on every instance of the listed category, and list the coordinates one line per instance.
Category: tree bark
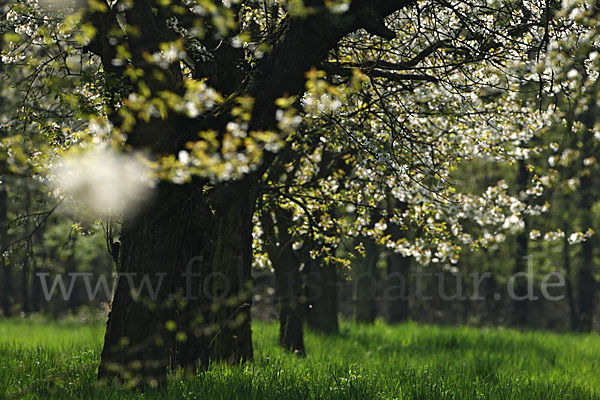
(196, 251)
(233, 206)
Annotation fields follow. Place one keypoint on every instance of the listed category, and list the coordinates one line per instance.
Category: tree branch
(399, 66)
(337, 69)
(374, 25)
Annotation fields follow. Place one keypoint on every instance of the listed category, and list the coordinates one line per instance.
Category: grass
(43, 359)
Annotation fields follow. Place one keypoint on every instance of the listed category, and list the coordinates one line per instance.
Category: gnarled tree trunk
(195, 251)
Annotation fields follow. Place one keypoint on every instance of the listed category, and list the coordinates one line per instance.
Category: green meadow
(42, 359)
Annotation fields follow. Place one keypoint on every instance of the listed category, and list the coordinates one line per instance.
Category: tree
(396, 292)
(164, 236)
(520, 306)
(3, 244)
(575, 94)
(288, 278)
(321, 291)
(365, 284)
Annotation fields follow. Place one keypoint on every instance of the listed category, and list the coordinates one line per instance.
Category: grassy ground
(41, 359)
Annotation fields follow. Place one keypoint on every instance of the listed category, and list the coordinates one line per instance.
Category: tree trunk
(4, 253)
(74, 300)
(288, 280)
(365, 284)
(396, 294)
(586, 289)
(520, 307)
(195, 250)
(585, 279)
(38, 266)
(586, 282)
(26, 254)
(398, 273)
(25, 304)
(573, 315)
(322, 297)
(233, 206)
